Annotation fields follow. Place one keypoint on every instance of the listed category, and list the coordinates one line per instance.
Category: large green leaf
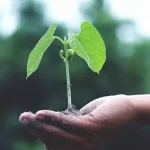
(89, 45)
(38, 51)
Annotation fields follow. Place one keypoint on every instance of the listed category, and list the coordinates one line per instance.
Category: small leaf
(89, 45)
(38, 51)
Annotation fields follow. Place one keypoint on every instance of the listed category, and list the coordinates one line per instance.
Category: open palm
(101, 121)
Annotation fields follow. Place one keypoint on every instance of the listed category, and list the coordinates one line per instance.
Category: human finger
(50, 135)
(115, 112)
(75, 124)
(93, 104)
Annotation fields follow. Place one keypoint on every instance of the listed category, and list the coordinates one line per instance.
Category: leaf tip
(27, 77)
(28, 74)
(97, 72)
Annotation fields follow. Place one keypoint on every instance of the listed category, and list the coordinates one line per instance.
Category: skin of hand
(101, 122)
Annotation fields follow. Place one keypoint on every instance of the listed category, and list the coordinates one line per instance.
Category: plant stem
(58, 38)
(68, 78)
(68, 85)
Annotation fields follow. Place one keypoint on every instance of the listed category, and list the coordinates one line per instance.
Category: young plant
(88, 44)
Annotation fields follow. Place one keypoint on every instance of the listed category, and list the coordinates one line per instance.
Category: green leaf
(38, 51)
(89, 45)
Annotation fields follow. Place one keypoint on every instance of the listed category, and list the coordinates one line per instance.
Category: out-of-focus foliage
(126, 71)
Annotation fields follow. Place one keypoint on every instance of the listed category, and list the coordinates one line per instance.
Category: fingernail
(40, 115)
(23, 118)
(26, 117)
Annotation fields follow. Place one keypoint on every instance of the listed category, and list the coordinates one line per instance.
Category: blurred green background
(126, 71)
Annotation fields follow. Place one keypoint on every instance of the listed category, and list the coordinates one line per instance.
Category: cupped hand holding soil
(101, 121)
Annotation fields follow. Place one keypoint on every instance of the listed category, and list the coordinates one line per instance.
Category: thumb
(93, 105)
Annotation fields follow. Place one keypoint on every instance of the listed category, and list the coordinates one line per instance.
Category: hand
(102, 119)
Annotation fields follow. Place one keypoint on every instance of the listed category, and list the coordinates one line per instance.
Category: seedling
(88, 44)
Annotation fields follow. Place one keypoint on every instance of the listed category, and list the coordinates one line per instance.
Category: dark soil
(72, 111)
